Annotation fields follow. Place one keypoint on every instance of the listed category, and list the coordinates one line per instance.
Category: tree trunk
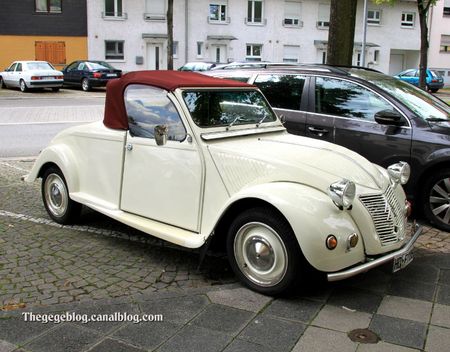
(423, 7)
(341, 33)
(170, 35)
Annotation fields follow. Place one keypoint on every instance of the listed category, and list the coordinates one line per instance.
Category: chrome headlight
(342, 193)
(399, 172)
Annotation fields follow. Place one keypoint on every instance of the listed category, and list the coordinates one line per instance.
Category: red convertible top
(115, 113)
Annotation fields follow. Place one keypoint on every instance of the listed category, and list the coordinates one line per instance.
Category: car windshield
(100, 66)
(420, 102)
(39, 66)
(227, 107)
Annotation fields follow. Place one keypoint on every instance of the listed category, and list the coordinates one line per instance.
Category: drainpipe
(363, 44)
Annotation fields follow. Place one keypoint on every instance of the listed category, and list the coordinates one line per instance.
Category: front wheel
(55, 195)
(436, 199)
(2, 83)
(263, 251)
(23, 86)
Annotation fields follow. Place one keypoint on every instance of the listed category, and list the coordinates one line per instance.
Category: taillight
(35, 78)
(97, 75)
(434, 81)
(59, 77)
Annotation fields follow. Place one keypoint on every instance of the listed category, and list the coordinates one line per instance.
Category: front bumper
(345, 274)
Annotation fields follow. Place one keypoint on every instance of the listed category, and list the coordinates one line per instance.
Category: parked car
(433, 79)
(197, 66)
(89, 74)
(378, 116)
(193, 159)
(31, 74)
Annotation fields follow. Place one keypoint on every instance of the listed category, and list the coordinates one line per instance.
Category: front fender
(62, 156)
(312, 216)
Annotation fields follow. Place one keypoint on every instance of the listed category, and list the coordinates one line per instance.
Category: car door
(68, 73)
(162, 183)
(19, 75)
(353, 107)
(9, 77)
(287, 94)
(408, 76)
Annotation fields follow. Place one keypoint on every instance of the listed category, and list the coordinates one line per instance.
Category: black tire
(55, 195)
(55, 89)
(85, 85)
(2, 83)
(263, 251)
(436, 199)
(434, 90)
(23, 86)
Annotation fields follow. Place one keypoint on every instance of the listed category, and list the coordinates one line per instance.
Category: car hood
(283, 157)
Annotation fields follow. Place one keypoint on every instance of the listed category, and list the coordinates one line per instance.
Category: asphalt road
(28, 122)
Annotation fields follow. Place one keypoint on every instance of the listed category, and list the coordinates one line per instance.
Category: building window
(324, 57)
(358, 58)
(445, 43)
(376, 56)
(199, 49)
(373, 17)
(446, 7)
(324, 16)
(408, 19)
(291, 53)
(255, 12)
(254, 52)
(113, 8)
(114, 50)
(292, 11)
(175, 49)
(218, 12)
(155, 10)
(48, 6)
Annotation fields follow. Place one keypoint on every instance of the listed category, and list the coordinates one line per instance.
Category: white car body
(181, 191)
(31, 74)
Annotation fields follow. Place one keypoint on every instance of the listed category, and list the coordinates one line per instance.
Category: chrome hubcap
(260, 254)
(440, 200)
(85, 84)
(56, 196)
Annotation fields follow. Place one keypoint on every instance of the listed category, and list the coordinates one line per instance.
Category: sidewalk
(408, 311)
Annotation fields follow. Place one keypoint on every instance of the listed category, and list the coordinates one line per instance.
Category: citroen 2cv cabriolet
(190, 159)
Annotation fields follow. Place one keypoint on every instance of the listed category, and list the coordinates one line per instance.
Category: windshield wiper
(238, 118)
(437, 119)
(262, 120)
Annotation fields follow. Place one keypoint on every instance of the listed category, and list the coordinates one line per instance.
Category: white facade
(439, 51)
(238, 30)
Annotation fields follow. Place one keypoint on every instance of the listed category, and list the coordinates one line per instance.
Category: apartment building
(50, 30)
(132, 34)
(439, 51)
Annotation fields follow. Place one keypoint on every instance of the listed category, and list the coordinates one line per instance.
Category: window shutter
(292, 9)
(324, 12)
(445, 40)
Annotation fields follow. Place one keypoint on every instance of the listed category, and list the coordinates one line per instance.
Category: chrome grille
(387, 214)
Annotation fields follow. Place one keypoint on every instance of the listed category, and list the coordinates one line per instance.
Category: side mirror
(161, 132)
(388, 117)
(282, 119)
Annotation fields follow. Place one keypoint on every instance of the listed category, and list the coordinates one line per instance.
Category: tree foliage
(341, 34)
(423, 7)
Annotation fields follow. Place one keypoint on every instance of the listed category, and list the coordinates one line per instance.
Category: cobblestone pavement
(43, 263)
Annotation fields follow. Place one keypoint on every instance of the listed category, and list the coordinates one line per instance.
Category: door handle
(317, 131)
(129, 147)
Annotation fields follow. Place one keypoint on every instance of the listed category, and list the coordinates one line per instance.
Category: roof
(115, 113)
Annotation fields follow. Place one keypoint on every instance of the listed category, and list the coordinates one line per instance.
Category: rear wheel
(55, 89)
(23, 86)
(55, 195)
(436, 199)
(434, 90)
(85, 85)
(263, 251)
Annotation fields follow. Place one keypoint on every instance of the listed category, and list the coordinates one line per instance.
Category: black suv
(378, 116)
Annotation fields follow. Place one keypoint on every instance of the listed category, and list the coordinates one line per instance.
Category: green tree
(170, 35)
(341, 34)
(423, 7)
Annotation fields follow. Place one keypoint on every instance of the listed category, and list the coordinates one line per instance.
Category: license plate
(49, 77)
(111, 75)
(402, 261)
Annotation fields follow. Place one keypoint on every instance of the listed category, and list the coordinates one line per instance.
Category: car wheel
(55, 195)
(2, 83)
(436, 199)
(55, 89)
(85, 85)
(434, 90)
(23, 86)
(263, 251)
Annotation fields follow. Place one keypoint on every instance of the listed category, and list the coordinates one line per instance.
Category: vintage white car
(193, 159)
(31, 74)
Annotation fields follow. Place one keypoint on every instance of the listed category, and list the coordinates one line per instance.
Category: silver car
(31, 74)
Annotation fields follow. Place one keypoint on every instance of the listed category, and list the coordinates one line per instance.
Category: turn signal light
(331, 242)
(408, 208)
